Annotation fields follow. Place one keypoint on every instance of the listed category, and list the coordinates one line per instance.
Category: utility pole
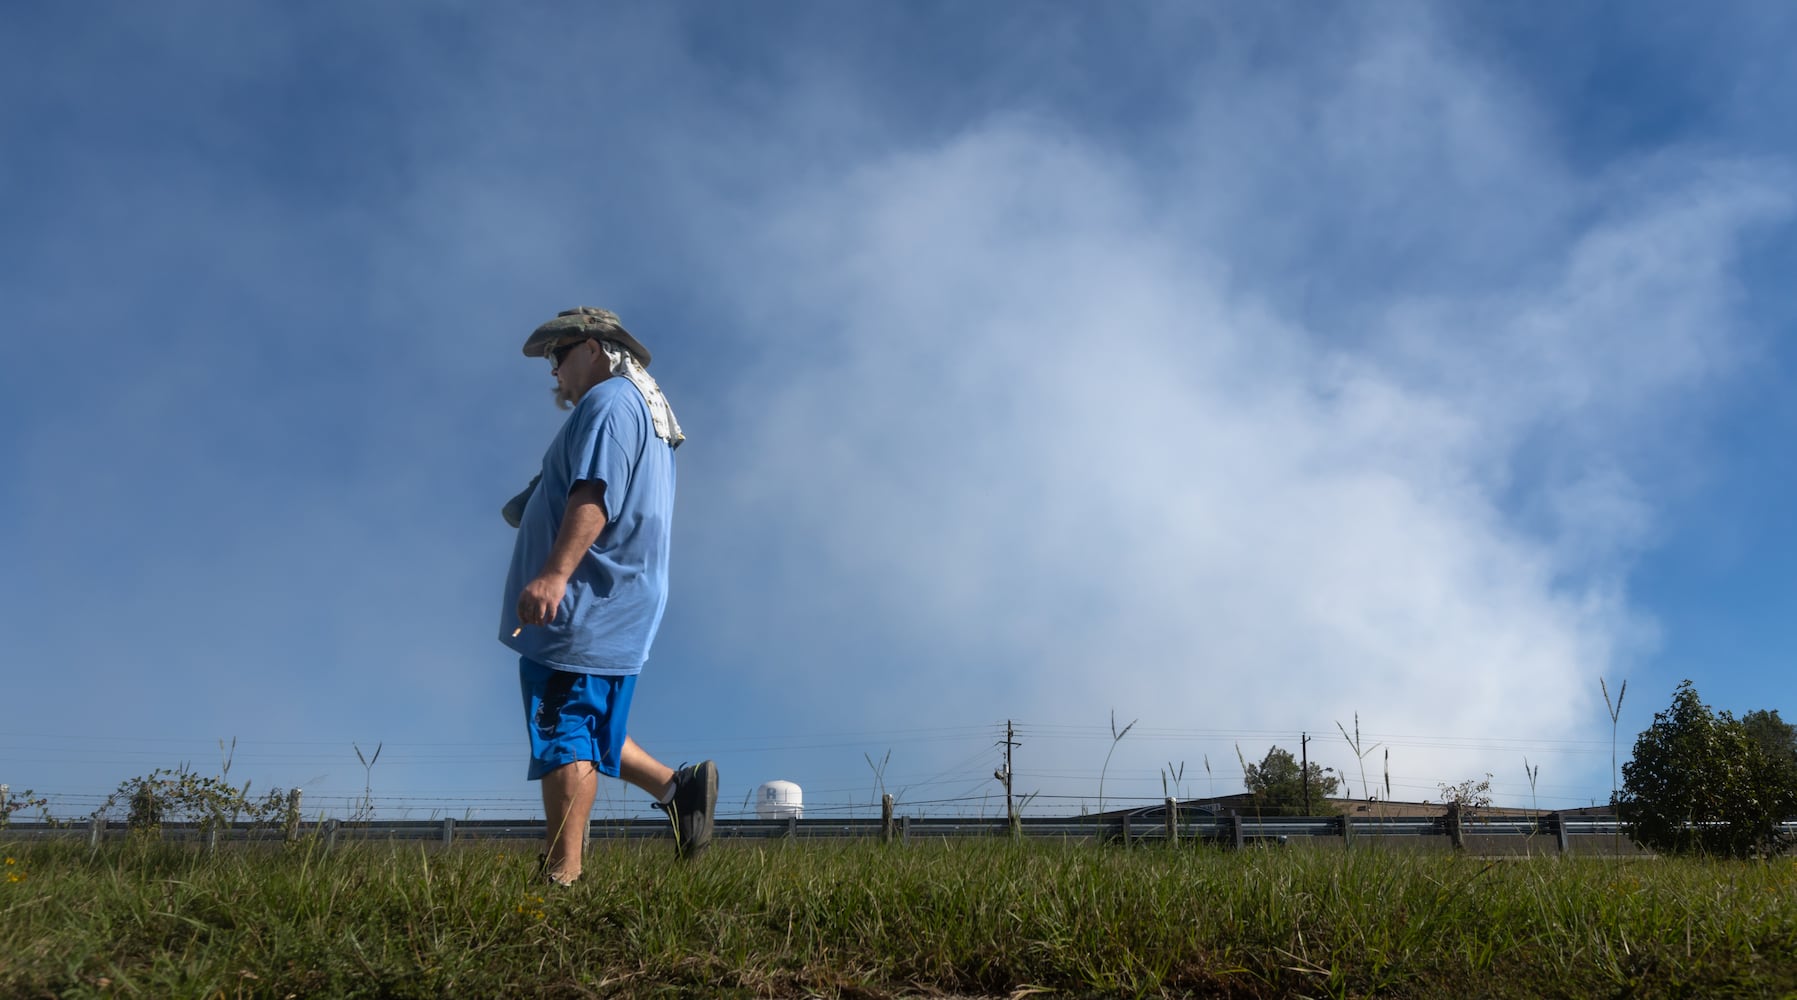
(1304, 769)
(1004, 773)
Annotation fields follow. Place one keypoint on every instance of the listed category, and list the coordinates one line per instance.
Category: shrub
(11, 802)
(182, 795)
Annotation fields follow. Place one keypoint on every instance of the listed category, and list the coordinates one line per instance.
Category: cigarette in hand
(516, 631)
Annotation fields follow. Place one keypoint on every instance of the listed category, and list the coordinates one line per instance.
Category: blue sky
(1237, 371)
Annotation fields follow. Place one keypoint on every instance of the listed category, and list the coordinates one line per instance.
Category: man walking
(588, 582)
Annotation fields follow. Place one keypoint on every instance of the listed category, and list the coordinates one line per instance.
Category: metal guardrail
(1102, 828)
(1228, 831)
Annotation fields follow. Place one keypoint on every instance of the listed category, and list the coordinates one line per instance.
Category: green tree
(1705, 782)
(1777, 739)
(1277, 784)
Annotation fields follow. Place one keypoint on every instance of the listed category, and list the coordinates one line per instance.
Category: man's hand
(540, 599)
(581, 525)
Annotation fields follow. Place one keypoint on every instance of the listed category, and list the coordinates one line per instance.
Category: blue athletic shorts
(574, 717)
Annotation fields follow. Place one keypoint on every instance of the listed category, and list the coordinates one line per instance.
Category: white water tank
(779, 800)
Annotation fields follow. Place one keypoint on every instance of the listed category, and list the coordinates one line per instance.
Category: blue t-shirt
(608, 617)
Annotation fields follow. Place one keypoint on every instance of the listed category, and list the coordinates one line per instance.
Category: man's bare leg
(645, 772)
(568, 807)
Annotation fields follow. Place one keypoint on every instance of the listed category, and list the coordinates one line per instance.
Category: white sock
(667, 794)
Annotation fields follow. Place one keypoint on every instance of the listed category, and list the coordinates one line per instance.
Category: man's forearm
(581, 525)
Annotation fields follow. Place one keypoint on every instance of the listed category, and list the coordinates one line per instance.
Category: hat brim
(553, 334)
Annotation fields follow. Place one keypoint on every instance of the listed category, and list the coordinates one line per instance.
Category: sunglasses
(560, 354)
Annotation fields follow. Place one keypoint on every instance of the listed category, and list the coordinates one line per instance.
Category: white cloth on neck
(624, 363)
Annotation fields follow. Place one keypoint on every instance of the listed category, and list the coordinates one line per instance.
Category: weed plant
(982, 918)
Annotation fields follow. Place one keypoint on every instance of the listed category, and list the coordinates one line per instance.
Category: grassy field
(864, 920)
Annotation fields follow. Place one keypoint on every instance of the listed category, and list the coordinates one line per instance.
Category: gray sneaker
(695, 800)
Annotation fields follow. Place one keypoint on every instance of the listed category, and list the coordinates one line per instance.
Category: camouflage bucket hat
(579, 324)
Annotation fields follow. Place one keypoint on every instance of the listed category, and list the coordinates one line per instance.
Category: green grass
(863, 920)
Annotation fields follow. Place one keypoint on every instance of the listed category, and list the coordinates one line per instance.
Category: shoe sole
(701, 839)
